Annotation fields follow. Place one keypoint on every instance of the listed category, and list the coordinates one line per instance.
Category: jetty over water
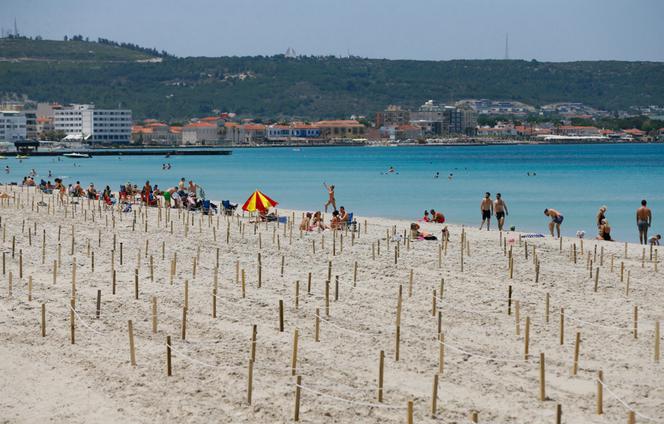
(31, 148)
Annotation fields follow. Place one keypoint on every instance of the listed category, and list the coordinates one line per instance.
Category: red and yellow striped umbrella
(258, 202)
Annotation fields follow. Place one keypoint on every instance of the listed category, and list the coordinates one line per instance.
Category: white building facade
(12, 126)
(102, 126)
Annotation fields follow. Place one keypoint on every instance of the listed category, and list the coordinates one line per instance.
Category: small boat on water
(77, 155)
(22, 157)
(3, 157)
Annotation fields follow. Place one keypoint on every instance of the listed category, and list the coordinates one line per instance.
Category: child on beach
(426, 218)
(335, 222)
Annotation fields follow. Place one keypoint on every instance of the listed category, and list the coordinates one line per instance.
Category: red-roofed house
(635, 133)
(200, 133)
(407, 131)
(252, 133)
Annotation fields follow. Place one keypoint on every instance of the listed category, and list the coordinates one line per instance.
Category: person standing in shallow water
(500, 208)
(643, 221)
(330, 200)
(486, 207)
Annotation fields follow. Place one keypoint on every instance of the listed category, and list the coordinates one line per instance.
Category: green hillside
(311, 87)
(75, 50)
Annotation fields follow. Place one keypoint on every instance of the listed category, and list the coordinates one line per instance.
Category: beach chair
(351, 223)
(229, 208)
(205, 207)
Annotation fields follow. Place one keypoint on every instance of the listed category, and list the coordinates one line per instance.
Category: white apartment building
(12, 126)
(105, 126)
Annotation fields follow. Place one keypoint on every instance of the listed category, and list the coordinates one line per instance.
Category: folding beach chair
(205, 207)
(229, 208)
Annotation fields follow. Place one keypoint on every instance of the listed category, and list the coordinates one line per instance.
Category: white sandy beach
(484, 369)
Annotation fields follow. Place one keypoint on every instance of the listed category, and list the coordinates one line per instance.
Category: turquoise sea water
(574, 179)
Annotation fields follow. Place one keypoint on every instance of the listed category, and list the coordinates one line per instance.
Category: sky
(545, 30)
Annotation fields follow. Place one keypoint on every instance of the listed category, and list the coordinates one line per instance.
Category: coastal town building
(93, 125)
(393, 115)
(12, 126)
(341, 129)
(496, 107)
(438, 119)
(44, 125)
(293, 132)
(200, 133)
(252, 133)
(31, 132)
(576, 130)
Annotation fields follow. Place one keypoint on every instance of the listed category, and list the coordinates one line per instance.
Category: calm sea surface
(574, 179)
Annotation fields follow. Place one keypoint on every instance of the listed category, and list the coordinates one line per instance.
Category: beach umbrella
(258, 202)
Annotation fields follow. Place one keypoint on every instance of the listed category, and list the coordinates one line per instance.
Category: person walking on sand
(486, 207)
(556, 219)
(643, 221)
(500, 207)
(330, 199)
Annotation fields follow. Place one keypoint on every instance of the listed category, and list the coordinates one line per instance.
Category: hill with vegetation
(305, 87)
(75, 48)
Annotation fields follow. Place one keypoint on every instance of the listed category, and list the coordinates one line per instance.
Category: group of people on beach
(489, 207)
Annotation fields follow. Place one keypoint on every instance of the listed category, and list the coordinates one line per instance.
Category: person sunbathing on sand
(306, 222)
(416, 234)
(604, 231)
(317, 222)
(335, 222)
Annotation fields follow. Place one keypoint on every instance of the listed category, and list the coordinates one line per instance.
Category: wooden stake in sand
(542, 391)
(154, 314)
(254, 335)
(575, 365)
(132, 352)
(72, 322)
(600, 392)
(43, 320)
(168, 356)
(636, 321)
(381, 374)
(184, 323)
(526, 341)
(250, 381)
(517, 317)
(441, 352)
(281, 315)
(294, 353)
(434, 396)
(298, 385)
(317, 326)
(98, 311)
(410, 412)
(562, 326)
